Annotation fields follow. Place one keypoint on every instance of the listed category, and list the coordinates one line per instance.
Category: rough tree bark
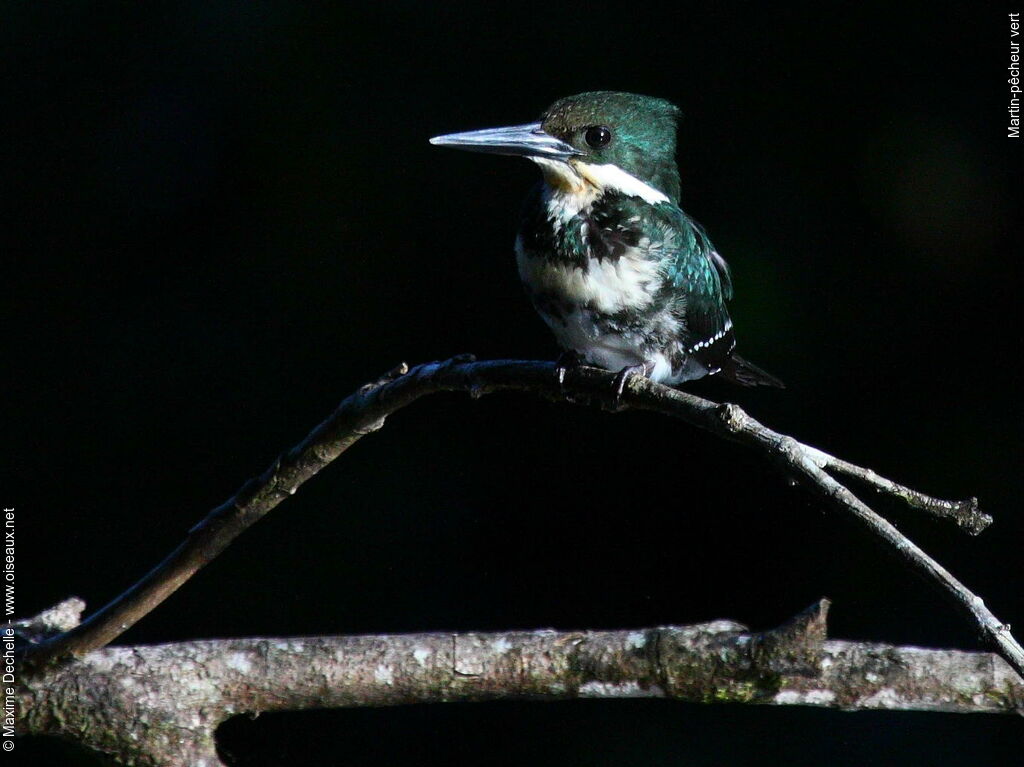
(161, 705)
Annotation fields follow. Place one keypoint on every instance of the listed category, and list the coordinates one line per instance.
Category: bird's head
(593, 143)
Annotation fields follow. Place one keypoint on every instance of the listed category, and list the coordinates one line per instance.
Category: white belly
(609, 286)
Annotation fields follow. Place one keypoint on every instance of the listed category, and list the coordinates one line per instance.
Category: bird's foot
(622, 378)
(566, 360)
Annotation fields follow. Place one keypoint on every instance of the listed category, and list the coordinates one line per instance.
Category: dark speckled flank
(538, 234)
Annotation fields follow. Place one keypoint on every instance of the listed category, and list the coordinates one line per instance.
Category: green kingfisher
(625, 279)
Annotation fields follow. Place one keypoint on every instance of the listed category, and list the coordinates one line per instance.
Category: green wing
(699, 279)
(696, 280)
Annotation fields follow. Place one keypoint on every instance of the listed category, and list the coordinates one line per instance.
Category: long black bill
(521, 140)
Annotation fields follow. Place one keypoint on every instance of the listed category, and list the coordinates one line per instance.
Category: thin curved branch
(365, 411)
(161, 704)
(964, 513)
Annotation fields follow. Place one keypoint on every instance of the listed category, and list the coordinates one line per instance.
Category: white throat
(573, 186)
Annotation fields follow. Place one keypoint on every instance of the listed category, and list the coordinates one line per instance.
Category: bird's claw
(620, 380)
(566, 360)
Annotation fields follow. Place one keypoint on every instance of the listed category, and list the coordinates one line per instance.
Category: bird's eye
(598, 136)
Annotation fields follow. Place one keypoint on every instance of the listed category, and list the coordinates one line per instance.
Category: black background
(222, 217)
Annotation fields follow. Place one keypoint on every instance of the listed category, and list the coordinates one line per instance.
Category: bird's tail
(738, 370)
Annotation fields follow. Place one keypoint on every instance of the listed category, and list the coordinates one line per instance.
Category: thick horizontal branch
(160, 705)
(366, 410)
